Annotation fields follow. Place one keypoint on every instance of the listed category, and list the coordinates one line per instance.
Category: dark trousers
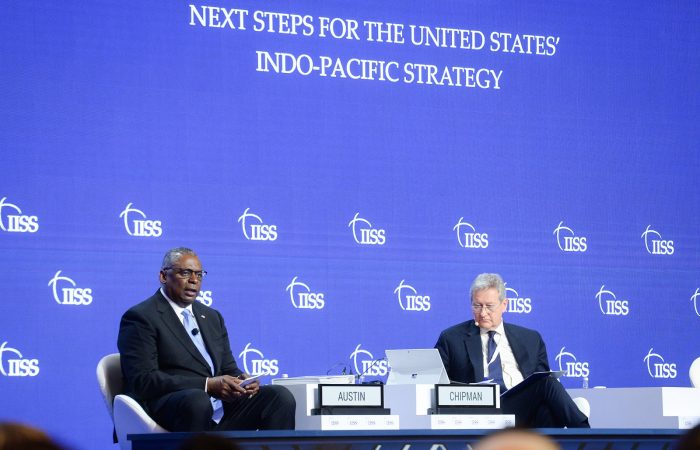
(544, 404)
(272, 408)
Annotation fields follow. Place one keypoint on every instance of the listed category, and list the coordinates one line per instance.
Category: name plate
(351, 395)
(359, 423)
(469, 396)
(688, 422)
(471, 422)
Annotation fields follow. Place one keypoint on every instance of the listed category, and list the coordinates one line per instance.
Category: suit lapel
(472, 342)
(173, 323)
(522, 356)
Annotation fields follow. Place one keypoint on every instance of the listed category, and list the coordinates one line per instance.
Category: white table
(650, 407)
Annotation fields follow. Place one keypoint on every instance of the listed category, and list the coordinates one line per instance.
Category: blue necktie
(495, 369)
(196, 337)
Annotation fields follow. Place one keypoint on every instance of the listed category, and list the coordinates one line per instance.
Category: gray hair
(487, 281)
(173, 255)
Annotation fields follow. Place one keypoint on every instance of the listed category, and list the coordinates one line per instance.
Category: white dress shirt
(178, 312)
(511, 372)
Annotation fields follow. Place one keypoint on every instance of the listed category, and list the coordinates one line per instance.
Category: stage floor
(569, 439)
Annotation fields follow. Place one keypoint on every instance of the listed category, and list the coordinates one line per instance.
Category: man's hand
(226, 388)
(251, 388)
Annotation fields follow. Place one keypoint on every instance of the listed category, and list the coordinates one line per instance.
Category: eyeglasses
(489, 308)
(186, 274)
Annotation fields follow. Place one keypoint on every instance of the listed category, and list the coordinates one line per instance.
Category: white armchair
(128, 416)
(694, 373)
(583, 406)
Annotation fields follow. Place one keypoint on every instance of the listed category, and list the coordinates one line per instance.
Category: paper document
(533, 378)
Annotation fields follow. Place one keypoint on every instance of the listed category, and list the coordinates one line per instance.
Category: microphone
(345, 368)
(195, 331)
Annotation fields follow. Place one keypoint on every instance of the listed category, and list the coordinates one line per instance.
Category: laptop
(416, 366)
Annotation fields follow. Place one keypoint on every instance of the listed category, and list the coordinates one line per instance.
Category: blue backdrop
(343, 182)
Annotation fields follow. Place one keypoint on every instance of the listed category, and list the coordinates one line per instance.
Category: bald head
(513, 439)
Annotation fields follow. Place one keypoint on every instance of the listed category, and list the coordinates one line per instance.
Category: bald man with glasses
(487, 349)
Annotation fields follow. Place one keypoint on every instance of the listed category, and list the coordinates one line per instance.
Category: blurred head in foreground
(15, 436)
(516, 439)
(690, 440)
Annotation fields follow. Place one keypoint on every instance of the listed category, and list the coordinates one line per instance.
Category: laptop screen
(416, 366)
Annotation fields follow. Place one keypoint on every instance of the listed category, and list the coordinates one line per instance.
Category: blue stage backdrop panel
(344, 170)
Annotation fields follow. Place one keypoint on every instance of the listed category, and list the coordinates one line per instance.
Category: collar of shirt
(177, 308)
(500, 339)
(500, 331)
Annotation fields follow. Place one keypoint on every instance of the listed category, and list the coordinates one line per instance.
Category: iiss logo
(364, 233)
(518, 304)
(136, 223)
(69, 293)
(17, 222)
(609, 303)
(695, 298)
(302, 297)
(204, 297)
(568, 241)
(657, 367)
(365, 364)
(258, 364)
(656, 245)
(256, 231)
(572, 367)
(410, 300)
(467, 236)
(17, 366)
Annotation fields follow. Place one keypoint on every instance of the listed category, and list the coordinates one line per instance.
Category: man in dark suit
(177, 362)
(486, 348)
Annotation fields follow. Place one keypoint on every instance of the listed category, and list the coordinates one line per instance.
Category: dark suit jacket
(461, 352)
(158, 356)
